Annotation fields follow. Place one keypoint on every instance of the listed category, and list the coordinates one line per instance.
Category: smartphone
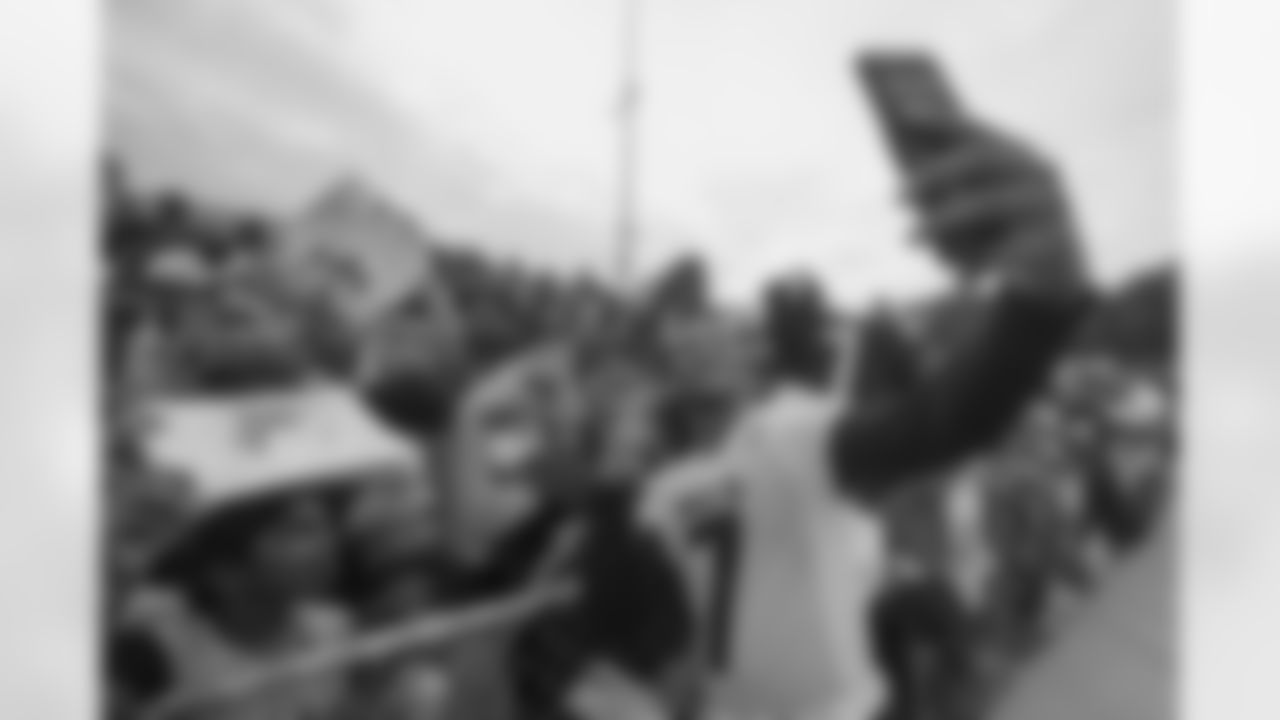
(917, 109)
(922, 117)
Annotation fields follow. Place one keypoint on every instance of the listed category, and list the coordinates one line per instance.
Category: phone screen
(921, 118)
(916, 105)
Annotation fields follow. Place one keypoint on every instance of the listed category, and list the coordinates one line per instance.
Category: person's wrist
(1059, 280)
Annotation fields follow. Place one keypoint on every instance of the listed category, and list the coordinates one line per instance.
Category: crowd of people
(540, 407)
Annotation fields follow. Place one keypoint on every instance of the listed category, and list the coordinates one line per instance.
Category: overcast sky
(494, 121)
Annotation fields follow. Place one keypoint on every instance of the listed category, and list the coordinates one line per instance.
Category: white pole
(628, 143)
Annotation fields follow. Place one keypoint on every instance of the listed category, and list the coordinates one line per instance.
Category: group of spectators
(982, 563)
(994, 563)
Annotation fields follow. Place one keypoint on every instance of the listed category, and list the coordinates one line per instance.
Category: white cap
(234, 448)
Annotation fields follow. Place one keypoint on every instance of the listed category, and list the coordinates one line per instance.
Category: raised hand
(990, 205)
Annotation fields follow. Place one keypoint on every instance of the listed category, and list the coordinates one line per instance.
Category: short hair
(887, 365)
(797, 320)
(419, 404)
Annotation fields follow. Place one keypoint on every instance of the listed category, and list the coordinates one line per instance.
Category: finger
(957, 167)
(980, 156)
(979, 207)
(1009, 147)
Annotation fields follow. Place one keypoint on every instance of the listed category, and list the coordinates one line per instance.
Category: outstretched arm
(881, 444)
(964, 409)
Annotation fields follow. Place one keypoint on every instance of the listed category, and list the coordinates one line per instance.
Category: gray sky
(494, 120)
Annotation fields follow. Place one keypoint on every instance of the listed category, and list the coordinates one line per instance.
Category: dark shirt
(137, 667)
(631, 611)
(1123, 518)
(511, 562)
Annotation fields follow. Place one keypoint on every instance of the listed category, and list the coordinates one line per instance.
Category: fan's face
(494, 452)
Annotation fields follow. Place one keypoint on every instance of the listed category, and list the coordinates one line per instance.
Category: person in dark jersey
(631, 612)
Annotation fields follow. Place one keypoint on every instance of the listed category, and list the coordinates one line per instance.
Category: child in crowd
(246, 588)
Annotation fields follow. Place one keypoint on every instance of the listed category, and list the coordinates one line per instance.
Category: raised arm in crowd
(1039, 291)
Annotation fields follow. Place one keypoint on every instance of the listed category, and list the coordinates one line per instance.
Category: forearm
(967, 406)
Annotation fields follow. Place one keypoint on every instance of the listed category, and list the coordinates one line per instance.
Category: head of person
(261, 556)
(685, 288)
(797, 329)
(424, 406)
(486, 441)
(1141, 438)
(888, 364)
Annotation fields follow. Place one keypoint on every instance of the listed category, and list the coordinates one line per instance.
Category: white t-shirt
(812, 561)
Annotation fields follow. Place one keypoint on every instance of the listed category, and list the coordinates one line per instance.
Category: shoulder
(790, 407)
(787, 423)
(696, 480)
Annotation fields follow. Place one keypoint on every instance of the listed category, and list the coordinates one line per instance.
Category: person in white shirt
(800, 475)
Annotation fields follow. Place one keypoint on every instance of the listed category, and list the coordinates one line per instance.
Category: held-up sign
(363, 255)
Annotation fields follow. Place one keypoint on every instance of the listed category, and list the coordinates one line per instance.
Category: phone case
(920, 114)
(917, 109)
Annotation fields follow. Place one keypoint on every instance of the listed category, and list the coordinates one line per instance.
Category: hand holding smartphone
(992, 206)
